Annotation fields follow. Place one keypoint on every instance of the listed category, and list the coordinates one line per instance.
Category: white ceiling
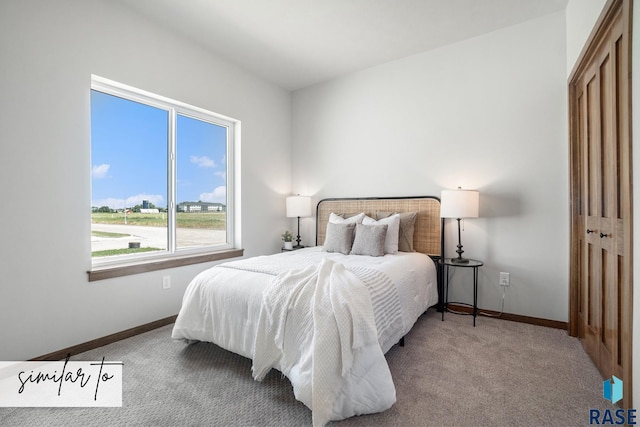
(297, 43)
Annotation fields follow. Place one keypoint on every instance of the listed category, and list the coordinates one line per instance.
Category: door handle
(603, 235)
(589, 231)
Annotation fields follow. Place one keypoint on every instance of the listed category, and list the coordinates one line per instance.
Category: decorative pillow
(338, 219)
(407, 227)
(369, 240)
(339, 238)
(393, 231)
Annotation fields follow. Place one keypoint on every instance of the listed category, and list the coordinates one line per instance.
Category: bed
(322, 315)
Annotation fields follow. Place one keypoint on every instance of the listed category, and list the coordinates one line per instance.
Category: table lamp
(459, 204)
(298, 206)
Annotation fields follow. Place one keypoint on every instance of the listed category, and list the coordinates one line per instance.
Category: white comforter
(332, 356)
(223, 305)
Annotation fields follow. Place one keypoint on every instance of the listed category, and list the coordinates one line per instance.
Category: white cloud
(113, 203)
(100, 171)
(221, 174)
(203, 162)
(218, 195)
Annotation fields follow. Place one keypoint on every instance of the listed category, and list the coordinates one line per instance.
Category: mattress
(222, 304)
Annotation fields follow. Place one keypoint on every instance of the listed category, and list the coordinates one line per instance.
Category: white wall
(487, 113)
(48, 50)
(581, 18)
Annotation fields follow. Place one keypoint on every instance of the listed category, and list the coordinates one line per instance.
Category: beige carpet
(449, 374)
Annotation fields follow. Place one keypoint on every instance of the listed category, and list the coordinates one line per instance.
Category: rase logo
(612, 391)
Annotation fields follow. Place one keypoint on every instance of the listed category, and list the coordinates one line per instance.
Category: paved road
(155, 237)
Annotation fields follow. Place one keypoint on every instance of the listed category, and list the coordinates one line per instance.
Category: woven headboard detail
(428, 227)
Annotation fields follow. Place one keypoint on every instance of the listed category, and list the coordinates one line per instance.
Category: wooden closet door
(600, 311)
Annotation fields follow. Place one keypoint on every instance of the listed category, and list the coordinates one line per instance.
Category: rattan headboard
(428, 232)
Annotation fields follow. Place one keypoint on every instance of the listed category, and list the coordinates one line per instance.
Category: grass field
(123, 251)
(201, 220)
(108, 234)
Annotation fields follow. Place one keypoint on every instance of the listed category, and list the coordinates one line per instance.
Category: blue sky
(129, 155)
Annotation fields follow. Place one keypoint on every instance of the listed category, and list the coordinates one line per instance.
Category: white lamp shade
(459, 203)
(298, 206)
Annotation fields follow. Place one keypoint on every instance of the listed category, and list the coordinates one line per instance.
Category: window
(161, 177)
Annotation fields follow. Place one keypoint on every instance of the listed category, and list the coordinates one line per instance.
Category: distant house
(149, 211)
(201, 207)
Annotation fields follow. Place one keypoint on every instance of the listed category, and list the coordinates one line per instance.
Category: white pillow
(393, 231)
(337, 219)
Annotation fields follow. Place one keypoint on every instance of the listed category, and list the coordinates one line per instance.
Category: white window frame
(174, 108)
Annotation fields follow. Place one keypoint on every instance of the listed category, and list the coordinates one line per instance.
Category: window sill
(145, 267)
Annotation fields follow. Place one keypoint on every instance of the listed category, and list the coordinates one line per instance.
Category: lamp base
(459, 260)
(298, 239)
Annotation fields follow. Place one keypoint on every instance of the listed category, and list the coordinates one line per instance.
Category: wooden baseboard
(109, 339)
(514, 317)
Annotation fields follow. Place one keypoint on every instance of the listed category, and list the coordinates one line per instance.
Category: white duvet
(317, 326)
(349, 310)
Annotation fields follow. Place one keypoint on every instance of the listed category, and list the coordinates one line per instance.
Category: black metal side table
(473, 264)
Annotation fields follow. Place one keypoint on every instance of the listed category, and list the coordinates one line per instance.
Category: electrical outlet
(504, 279)
(166, 282)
